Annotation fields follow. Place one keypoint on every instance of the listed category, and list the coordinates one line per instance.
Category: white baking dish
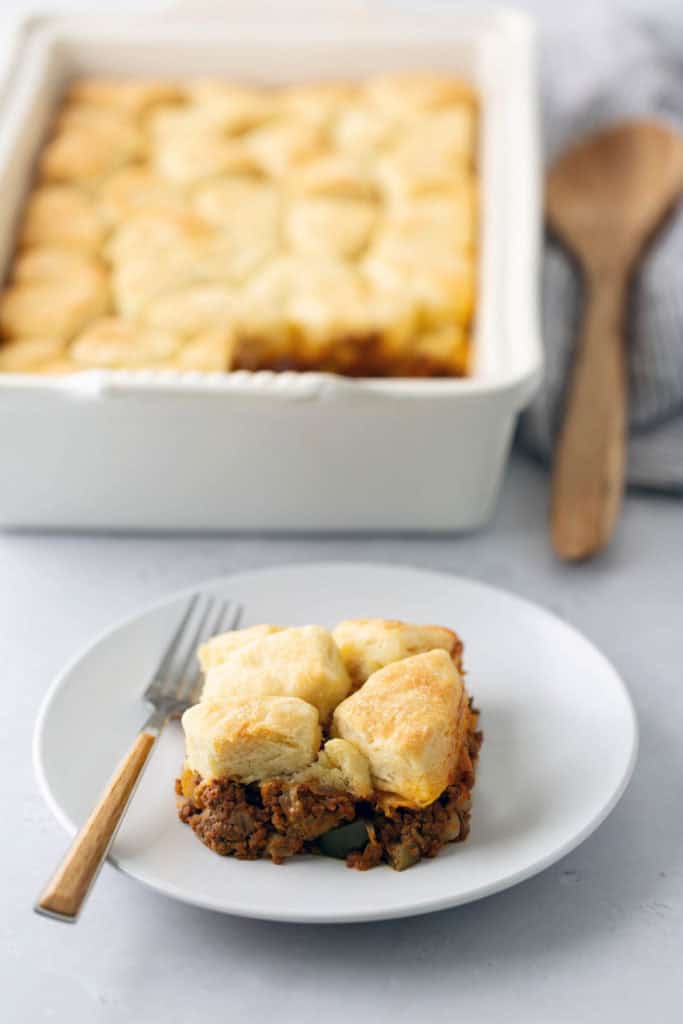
(121, 450)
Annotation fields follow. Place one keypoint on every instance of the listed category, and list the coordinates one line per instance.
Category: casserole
(206, 224)
(144, 450)
(298, 745)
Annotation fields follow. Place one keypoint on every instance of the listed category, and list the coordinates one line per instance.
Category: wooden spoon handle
(588, 471)
(66, 891)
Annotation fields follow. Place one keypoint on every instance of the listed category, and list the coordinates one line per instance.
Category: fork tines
(178, 674)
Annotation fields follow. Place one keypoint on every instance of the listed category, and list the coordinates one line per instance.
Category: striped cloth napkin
(618, 70)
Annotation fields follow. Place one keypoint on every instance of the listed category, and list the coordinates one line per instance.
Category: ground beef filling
(273, 819)
(403, 836)
(278, 819)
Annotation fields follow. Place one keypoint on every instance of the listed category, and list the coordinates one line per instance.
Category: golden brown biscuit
(62, 215)
(53, 263)
(363, 132)
(30, 355)
(250, 738)
(234, 108)
(318, 225)
(241, 204)
(335, 176)
(155, 230)
(339, 766)
(159, 252)
(317, 299)
(133, 190)
(53, 307)
(201, 307)
(440, 289)
(367, 645)
(442, 347)
(96, 120)
(281, 144)
(218, 648)
(153, 252)
(409, 721)
(211, 351)
(194, 155)
(111, 343)
(88, 147)
(303, 662)
(446, 219)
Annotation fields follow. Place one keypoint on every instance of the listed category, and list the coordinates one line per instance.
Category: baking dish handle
(104, 385)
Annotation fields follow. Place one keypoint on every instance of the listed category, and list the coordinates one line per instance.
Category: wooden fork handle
(66, 891)
(588, 471)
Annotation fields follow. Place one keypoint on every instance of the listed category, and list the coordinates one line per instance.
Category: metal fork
(173, 688)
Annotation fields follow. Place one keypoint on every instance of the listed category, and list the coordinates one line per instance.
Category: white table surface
(596, 938)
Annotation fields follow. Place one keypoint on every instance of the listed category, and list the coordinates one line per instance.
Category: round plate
(546, 776)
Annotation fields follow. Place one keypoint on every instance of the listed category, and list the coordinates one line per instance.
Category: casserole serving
(362, 742)
(110, 448)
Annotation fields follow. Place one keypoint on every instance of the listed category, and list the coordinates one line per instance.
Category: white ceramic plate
(559, 747)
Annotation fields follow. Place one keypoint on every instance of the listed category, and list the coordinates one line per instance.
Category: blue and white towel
(617, 70)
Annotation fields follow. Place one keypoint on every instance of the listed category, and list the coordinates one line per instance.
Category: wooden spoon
(605, 198)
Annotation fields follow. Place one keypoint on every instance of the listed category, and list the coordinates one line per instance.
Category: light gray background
(598, 937)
